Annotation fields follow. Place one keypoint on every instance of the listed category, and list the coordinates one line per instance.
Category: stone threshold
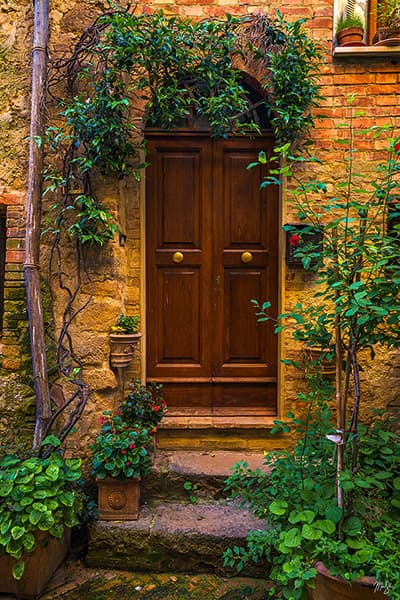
(217, 422)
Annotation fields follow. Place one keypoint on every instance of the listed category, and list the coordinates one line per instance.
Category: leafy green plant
(388, 14)
(121, 450)
(144, 404)
(347, 496)
(351, 20)
(126, 324)
(296, 495)
(37, 495)
(192, 490)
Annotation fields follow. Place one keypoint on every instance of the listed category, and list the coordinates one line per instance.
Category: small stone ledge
(367, 52)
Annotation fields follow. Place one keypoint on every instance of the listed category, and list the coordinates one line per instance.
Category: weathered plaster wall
(115, 274)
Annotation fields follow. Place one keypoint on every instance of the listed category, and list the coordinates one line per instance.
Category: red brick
(386, 77)
(387, 100)
(14, 232)
(353, 79)
(15, 256)
(322, 23)
(10, 199)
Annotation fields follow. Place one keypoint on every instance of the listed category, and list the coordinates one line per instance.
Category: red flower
(123, 451)
(397, 147)
(294, 240)
(131, 446)
(156, 408)
(101, 420)
(127, 463)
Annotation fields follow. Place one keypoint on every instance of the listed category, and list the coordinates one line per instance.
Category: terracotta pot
(350, 36)
(386, 36)
(40, 565)
(122, 348)
(328, 587)
(118, 499)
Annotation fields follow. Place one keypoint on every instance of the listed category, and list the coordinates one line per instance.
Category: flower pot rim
(120, 336)
(101, 479)
(366, 580)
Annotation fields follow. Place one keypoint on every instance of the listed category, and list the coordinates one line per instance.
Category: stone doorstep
(245, 434)
(206, 470)
(173, 537)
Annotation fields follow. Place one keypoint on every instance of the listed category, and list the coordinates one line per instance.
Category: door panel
(180, 189)
(180, 295)
(204, 343)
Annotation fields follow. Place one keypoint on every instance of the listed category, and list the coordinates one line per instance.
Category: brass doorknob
(246, 257)
(177, 257)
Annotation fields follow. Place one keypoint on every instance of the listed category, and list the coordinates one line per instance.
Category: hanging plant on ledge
(128, 69)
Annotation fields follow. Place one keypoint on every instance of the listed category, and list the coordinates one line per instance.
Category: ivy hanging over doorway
(128, 69)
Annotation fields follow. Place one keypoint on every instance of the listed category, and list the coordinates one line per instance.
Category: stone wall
(115, 271)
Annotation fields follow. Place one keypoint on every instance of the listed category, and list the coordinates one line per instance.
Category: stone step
(205, 471)
(246, 434)
(171, 537)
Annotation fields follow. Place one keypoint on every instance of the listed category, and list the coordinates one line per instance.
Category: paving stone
(74, 582)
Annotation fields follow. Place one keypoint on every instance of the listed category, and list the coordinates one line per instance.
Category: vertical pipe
(33, 216)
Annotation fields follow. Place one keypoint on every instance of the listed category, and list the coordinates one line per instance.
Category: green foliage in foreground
(36, 495)
(298, 502)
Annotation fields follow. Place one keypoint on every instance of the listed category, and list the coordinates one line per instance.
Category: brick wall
(14, 313)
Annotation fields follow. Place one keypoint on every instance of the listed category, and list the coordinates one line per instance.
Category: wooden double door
(212, 247)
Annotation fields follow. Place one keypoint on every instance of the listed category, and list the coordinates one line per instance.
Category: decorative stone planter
(328, 587)
(40, 565)
(122, 348)
(118, 499)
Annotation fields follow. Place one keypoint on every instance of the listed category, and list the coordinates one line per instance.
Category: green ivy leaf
(278, 507)
(309, 532)
(17, 532)
(18, 570)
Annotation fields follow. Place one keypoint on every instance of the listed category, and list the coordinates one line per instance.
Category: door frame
(281, 270)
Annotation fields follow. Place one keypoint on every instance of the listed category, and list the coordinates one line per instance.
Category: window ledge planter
(40, 566)
(328, 587)
(118, 499)
(122, 348)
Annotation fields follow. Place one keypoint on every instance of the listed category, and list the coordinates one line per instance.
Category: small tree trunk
(33, 215)
(340, 410)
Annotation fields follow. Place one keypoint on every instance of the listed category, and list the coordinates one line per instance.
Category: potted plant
(39, 503)
(388, 23)
(350, 30)
(332, 503)
(144, 404)
(124, 338)
(121, 456)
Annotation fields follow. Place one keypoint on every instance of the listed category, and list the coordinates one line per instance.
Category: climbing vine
(128, 69)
